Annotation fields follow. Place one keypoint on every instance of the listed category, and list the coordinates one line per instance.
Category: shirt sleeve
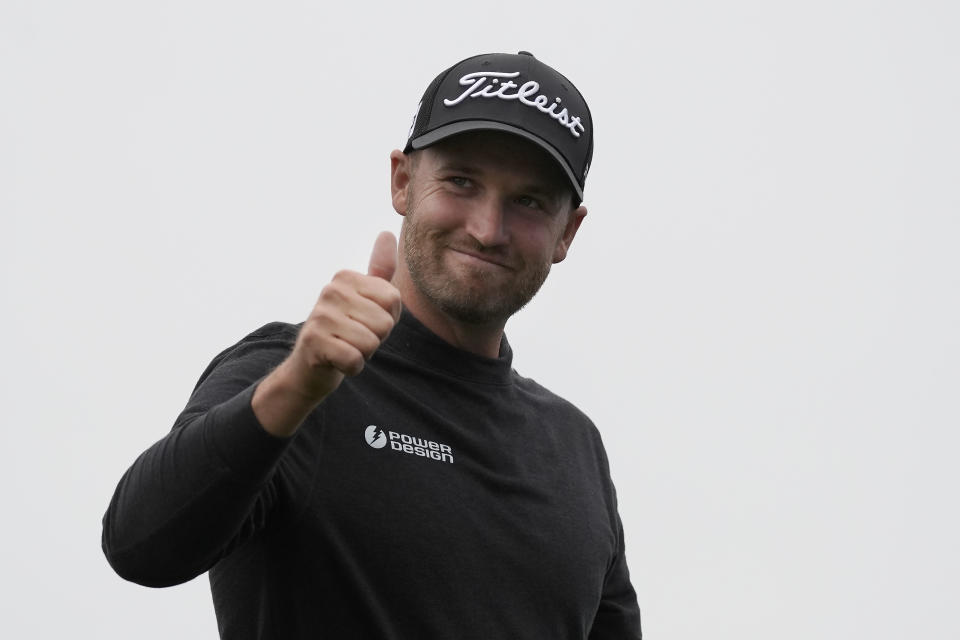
(206, 486)
(618, 616)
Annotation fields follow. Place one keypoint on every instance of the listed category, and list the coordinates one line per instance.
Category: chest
(483, 508)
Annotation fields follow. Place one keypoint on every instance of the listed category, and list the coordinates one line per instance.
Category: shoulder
(557, 411)
(539, 394)
(573, 432)
(273, 335)
(258, 351)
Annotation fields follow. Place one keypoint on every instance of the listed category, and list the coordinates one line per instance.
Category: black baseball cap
(509, 92)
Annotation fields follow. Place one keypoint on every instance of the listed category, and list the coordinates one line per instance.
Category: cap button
(525, 53)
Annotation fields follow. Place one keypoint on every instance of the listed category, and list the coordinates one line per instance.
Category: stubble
(479, 296)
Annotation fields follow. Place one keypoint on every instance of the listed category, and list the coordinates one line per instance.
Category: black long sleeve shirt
(436, 495)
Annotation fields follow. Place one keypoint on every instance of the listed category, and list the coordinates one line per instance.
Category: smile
(476, 256)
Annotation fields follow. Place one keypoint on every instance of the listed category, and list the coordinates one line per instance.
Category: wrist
(281, 401)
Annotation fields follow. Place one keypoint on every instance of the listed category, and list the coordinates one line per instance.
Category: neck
(480, 339)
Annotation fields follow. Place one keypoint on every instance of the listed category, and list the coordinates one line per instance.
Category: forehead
(496, 151)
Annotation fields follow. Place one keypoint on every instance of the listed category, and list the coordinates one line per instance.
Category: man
(381, 471)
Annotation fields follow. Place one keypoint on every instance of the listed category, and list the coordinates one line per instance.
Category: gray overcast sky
(760, 311)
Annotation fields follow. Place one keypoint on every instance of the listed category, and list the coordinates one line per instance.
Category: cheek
(536, 241)
(439, 210)
(536, 228)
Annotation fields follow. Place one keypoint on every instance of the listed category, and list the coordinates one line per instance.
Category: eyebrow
(533, 188)
(457, 167)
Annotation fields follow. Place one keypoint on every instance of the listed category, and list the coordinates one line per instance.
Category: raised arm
(210, 483)
(353, 315)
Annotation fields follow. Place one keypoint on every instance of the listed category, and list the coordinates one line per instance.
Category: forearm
(190, 496)
(281, 403)
(199, 490)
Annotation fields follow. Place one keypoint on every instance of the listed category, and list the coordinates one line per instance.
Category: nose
(486, 222)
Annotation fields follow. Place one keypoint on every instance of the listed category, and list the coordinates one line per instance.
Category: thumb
(383, 260)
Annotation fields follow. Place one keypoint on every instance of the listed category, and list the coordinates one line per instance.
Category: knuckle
(391, 301)
(312, 349)
(370, 346)
(332, 292)
(344, 276)
(353, 364)
(392, 296)
(385, 295)
(323, 316)
(382, 327)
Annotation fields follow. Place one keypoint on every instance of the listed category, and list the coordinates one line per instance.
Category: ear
(399, 180)
(569, 231)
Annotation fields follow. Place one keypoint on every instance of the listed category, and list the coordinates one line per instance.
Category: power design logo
(377, 438)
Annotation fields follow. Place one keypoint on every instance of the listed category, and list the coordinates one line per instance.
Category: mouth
(470, 255)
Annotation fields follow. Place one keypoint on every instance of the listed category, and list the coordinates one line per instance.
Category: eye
(529, 202)
(460, 181)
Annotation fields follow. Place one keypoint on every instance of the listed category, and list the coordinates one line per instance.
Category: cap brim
(445, 131)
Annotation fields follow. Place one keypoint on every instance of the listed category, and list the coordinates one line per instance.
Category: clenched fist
(352, 317)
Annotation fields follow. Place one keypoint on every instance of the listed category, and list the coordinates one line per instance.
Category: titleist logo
(477, 87)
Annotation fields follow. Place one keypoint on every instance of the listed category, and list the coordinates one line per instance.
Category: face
(486, 215)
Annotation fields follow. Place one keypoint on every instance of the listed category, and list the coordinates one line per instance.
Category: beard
(473, 295)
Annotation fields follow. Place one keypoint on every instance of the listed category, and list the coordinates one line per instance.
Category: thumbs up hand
(383, 260)
(352, 317)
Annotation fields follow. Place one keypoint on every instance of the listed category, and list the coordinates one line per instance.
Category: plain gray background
(760, 311)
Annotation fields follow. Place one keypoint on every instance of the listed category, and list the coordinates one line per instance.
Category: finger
(383, 293)
(373, 315)
(383, 260)
(343, 356)
(345, 288)
(337, 341)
